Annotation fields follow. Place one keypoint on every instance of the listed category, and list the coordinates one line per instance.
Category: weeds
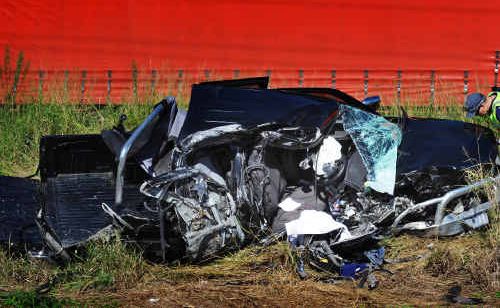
(102, 267)
(444, 261)
(19, 270)
(21, 128)
(105, 265)
(10, 80)
(21, 299)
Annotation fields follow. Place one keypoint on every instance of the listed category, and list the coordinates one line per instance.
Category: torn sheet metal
(214, 105)
(377, 141)
(195, 139)
(452, 224)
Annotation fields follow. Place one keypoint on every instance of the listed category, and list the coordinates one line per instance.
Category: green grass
(22, 299)
(21, 128)
(102, 267)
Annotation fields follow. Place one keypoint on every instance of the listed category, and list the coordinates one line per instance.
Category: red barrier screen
(363, 47)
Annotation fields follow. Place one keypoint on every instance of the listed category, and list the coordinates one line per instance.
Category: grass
(19, 270)
(22, 126)
(104, 266)
(21, 299)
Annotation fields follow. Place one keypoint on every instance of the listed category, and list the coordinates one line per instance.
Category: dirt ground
(255, 278)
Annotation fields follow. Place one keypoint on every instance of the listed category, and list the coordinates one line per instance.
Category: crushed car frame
(246, 164)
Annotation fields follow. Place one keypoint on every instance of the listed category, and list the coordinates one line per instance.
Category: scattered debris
(454, 296)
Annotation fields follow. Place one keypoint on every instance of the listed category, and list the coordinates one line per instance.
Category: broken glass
(377, 141)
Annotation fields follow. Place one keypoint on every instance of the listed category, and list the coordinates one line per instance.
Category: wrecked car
(249, 164)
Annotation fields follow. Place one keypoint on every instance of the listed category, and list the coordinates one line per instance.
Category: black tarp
(18, 206)
(444, 143)
(213, 106)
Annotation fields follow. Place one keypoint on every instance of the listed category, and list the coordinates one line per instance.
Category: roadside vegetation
(113, 273)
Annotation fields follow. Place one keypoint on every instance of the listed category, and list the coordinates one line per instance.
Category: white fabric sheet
(329, 152)
(315, 222)
(289, 205)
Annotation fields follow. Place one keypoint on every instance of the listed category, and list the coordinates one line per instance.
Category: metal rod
(301, 78)
(398, 86)
(180, 76)
(433, 86)
(334, 79)
(126, 149)
(365, 82)
(414, 208)
(66, 83)
(457, 193)
(110, 75)
(466, 84)
(497, 60)
(84, 77)
(154, 77)
(41, 76)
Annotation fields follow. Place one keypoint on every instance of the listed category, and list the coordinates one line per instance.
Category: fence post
(207, 75)
(66, 84)
(180, 76)
(365, 82)
(334, 78)
(398, 87)
(110, 75)
(497, 60)
(466, 84)
(41, 76)
(432, 86)
(82, 85)
(301, 78)
(154, 76)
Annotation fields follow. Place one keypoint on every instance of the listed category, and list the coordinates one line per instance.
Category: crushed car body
(249, 164)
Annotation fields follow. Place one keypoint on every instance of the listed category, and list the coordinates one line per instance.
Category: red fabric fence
(431, 50)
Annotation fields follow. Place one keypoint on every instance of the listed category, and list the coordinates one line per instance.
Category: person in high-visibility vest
(486, 106)
(489, 106)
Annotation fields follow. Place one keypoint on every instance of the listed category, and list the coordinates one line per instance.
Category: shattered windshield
(377, 141)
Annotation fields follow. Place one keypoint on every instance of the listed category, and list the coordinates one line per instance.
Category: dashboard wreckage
(248, 164)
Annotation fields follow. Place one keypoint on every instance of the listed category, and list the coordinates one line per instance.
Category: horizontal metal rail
(443, 201)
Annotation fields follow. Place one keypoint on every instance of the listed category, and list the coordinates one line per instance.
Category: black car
(247, 163)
